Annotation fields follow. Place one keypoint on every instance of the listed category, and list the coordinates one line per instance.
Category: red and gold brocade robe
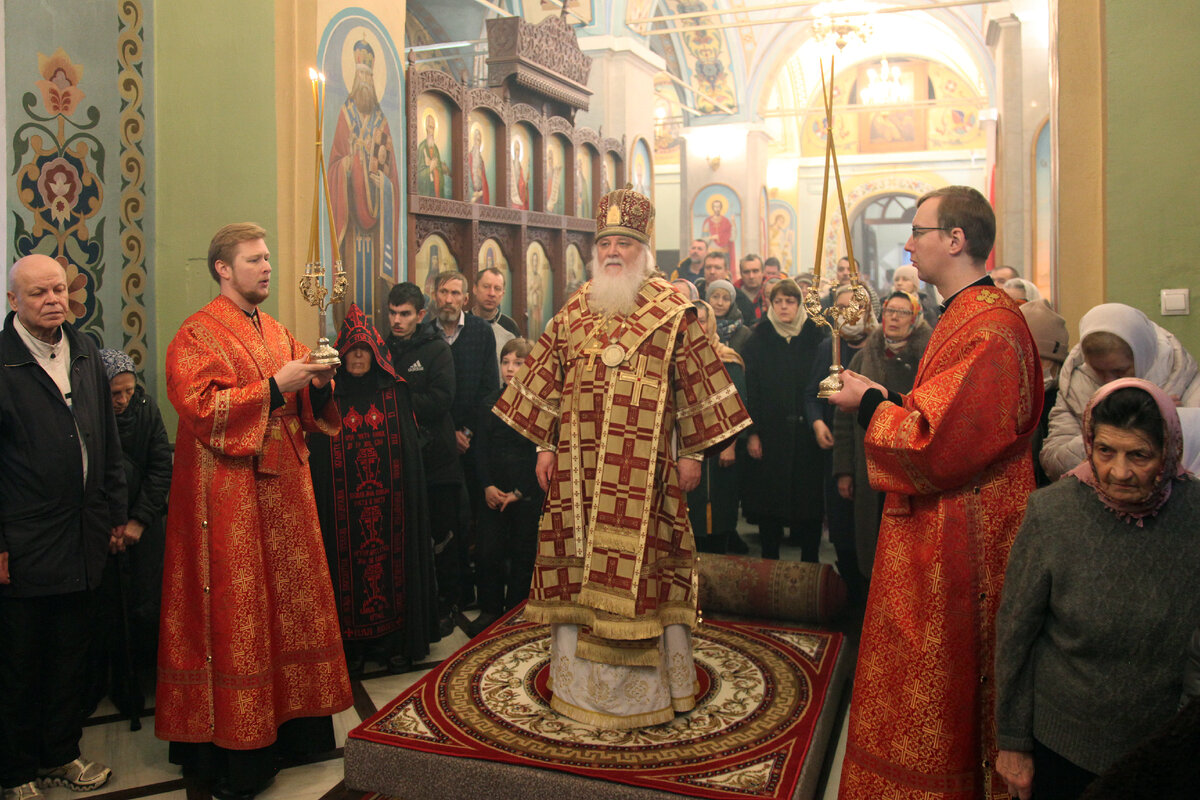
(615, 549)
(249, 631)
(955, 462)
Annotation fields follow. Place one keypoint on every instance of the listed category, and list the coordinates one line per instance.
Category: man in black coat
(476, 375)
(62, 507)
(421, 356)
(750, 299)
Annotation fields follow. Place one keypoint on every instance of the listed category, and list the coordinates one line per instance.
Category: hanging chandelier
(885, 86)
(840, 21)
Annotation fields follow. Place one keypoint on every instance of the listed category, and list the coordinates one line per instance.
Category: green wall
(1151, 180)
(215, 146)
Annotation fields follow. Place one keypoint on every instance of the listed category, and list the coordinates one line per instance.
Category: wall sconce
(714, 162)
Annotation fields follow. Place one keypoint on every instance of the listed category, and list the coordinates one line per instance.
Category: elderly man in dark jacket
(476, 375)
(62, 507)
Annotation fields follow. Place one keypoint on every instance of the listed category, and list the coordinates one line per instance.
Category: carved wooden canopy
(538, 64)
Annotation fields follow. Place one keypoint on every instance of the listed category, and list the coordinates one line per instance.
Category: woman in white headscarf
(1189, 420)
(1021, 290)
(1115, 341)
(905, 279)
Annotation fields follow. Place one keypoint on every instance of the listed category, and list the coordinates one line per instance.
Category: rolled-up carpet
(758, 588)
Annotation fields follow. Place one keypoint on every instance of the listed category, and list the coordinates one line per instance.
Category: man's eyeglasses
(917, 230)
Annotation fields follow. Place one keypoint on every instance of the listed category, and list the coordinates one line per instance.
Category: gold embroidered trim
(708, 402)
(608, 626)
(611, 721)
(521, 429)
(618, 656)
(527, 393)
(726, 434)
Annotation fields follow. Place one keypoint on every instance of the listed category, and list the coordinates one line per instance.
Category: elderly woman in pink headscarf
(1101, 596)
(1115, 341)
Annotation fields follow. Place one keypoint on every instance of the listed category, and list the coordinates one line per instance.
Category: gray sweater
(1094, 623)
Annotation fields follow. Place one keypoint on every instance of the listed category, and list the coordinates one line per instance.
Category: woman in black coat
(783, 483)
(890, 356)
(131, 590)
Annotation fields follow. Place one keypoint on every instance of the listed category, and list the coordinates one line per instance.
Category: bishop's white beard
(616, 293)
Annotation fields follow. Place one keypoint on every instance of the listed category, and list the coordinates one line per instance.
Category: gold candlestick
(313, 290)
(834, 317)
(312, 285)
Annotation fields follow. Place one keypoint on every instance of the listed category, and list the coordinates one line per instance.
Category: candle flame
(312, 74)
(321, 76)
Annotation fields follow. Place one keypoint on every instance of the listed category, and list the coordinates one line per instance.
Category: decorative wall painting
(435, 176)
(520, 170)
(481, 158)
(894, 129)
(539, 290)
(433, 257)
(609, 179)
(576, 269)
(1042, 212)
(583, 182)
(781, 235)
(556, 175)
(717, 219)
(578, 11)
(641, 174)
(491, 256)
(762, 223)
(362, 119)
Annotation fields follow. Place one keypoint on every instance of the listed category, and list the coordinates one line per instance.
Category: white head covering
(1130, 326)
(1189, 420)
(906, 271)
(1031, 291)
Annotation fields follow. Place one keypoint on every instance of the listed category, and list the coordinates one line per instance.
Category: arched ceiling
(746, 60)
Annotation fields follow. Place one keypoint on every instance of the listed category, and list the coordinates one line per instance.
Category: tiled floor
(141, 769)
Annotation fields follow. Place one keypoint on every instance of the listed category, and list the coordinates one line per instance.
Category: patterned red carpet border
(761, 690)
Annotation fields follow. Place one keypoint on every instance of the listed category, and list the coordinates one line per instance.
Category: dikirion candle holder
(314, 287)
(834, 317)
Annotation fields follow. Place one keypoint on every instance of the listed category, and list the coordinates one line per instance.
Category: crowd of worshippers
(428, 504)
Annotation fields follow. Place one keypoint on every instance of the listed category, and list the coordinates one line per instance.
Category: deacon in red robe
(953, 456)
(249, 631)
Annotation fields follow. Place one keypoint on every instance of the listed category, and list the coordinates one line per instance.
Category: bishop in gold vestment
(623, 393)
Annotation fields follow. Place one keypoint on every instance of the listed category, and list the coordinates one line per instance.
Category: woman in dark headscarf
(1101, 596)
(889, 355)
(370, 492)
(131, 590)
(732, 329)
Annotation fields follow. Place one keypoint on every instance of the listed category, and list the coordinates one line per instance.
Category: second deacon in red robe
(249, 635)
(622, 394)
(953, 456)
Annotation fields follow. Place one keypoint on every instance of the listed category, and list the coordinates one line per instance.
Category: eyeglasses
(917, 230)
(897, 312)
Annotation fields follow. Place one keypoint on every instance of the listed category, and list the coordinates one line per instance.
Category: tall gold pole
(835, 317)
(312, 285)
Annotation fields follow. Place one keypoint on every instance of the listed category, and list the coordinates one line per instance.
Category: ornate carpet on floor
(479, 725)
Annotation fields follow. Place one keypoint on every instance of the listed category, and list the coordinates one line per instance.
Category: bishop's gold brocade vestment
(615, 563)
(249, 635)
(955, 462)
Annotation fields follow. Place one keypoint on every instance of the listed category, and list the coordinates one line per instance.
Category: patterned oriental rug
(480, 725)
